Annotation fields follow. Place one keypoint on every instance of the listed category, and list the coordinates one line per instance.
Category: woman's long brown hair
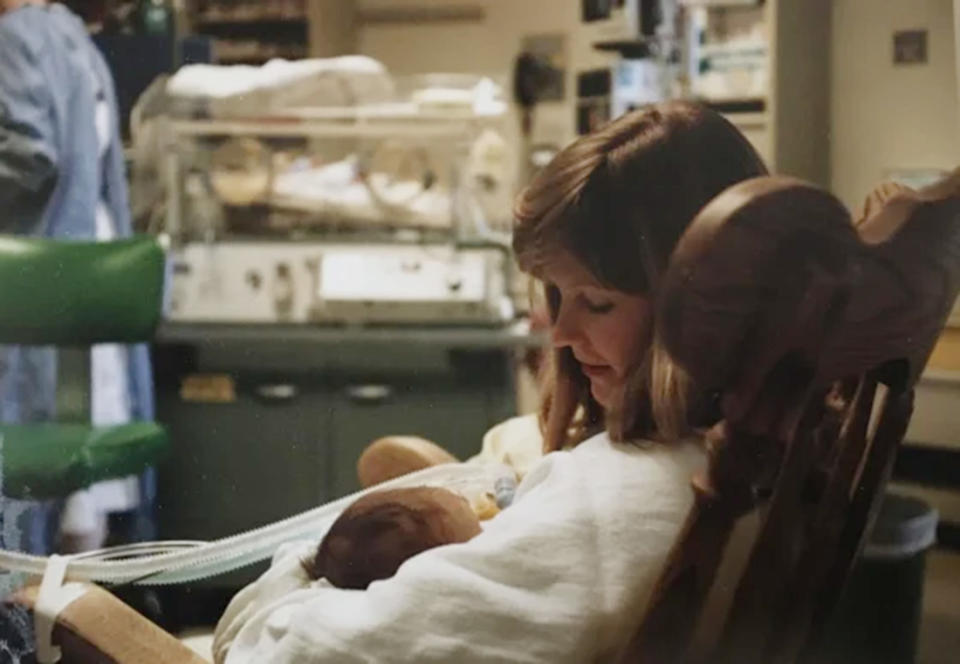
(618, 200)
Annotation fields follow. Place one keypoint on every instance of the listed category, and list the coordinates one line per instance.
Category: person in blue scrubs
(62, 176)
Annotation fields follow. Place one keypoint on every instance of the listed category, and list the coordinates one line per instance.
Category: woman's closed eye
(596, 305)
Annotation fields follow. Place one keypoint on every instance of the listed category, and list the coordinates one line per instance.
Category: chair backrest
(79, 293)
(814, 330)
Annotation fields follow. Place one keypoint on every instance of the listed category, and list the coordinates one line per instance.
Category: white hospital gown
(563, 575)
(85, 511)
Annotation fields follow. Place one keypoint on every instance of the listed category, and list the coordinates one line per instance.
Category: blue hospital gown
(52, 179)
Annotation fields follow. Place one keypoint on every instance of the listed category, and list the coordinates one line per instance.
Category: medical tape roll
(52, 598)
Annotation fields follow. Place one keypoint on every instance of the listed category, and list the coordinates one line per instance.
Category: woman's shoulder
(600, 465)
(686, 451)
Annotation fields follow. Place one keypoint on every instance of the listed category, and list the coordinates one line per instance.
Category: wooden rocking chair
(799, 319)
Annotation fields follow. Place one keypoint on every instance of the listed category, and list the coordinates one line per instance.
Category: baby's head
(379, 531)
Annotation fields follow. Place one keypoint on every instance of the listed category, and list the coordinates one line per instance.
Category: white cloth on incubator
(336, 189)
(482, 98)
(239, 90)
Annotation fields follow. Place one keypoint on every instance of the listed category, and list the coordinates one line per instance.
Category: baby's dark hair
(381, 530)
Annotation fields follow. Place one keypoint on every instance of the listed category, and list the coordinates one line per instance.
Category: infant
(380, 530)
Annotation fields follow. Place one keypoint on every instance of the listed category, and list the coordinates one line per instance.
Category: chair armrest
(393, 456)
(97, 628)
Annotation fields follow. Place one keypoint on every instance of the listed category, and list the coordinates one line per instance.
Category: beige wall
(486, 47)
(332, 27)
(885, 117)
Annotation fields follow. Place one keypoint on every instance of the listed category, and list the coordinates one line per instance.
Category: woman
(563, 575)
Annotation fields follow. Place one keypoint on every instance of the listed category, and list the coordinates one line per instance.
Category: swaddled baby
(379, 531)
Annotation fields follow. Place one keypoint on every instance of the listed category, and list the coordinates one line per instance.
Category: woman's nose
(563, 331)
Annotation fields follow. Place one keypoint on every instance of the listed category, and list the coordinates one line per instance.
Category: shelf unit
(784, 111)
(788, 122)
(252, 32)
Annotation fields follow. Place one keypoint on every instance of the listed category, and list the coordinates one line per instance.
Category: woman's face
(606, 330)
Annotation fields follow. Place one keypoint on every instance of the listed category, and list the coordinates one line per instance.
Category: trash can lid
(904, 526)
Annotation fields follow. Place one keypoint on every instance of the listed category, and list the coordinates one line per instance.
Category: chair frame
(817, 330)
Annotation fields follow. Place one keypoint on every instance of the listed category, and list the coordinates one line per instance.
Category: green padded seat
(69, 293)
(50, 460)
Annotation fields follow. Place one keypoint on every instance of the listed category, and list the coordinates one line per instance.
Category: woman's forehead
(566, 271)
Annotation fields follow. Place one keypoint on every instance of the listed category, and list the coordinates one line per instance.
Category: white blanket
(335, 190)
(246, 91)
(563, 575)
(219, 81)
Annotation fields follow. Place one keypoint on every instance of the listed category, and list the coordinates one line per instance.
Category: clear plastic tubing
(167, 563)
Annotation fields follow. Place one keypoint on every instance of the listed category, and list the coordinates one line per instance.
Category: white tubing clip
(52, 598)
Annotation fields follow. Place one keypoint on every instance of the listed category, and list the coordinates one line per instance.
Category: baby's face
(381, 530)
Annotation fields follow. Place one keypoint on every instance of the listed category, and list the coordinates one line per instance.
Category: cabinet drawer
(245, 463)
(453, 415)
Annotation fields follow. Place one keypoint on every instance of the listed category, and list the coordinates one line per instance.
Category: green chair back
(69, 293)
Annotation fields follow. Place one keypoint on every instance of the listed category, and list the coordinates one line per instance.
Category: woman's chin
(601, 394)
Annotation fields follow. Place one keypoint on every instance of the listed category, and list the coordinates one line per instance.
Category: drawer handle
(369, 394)
(278, 393)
